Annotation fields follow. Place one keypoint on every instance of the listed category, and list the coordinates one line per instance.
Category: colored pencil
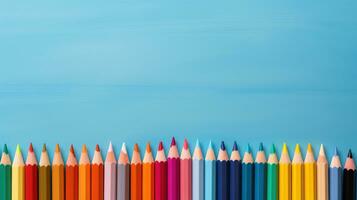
(247, 175)
(335, 177)
(136, 175)
(297, 175)
(260, 175)
(97, 175)
(110, 175)
(57, 175)
(197, 173)
(222, 167)
(5, 174)
(18, 176)
(322, 175)
(210, 173)
(148, 174)
(173, 172)
(310, 174)
(31, 175)
(160, 174)
(272, 175)
(285, 174)
(71, 176)
(349, 175)
(185, 173)
(235, 174)
(84, 175)
(123, 173)
(44, 174)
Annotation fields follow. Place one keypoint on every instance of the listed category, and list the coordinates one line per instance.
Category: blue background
(90, 72)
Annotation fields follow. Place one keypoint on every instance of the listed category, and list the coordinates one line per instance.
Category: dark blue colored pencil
(235, 175)
(222, 174)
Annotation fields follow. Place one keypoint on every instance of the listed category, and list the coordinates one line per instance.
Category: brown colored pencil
(44, 176)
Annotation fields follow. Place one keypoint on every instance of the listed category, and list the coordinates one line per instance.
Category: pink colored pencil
(160, 174)
(185, 173)
(110, 175)
(173, 172)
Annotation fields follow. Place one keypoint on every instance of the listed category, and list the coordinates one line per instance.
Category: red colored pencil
(160, 174)
(31, 175)
(71, 176)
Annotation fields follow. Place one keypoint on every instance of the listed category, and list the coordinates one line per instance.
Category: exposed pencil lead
(223, 147)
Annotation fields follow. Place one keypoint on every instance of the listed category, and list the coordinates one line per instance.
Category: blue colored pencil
(235, 174)
(247, 175)
(260, 175)
(335, 177)
(210, 174)
(222, 173)
(197, 174)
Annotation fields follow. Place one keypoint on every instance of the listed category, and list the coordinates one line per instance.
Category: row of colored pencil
(177, 177)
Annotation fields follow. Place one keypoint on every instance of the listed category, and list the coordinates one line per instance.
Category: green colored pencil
(5, 174)
(272, 190)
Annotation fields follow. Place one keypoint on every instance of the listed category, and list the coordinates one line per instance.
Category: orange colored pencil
(71, 176)
(136, 175)
(148, 174)
(57, 175)
(84, 182)
(97, 175)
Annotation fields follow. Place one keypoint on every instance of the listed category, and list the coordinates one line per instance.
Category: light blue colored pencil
(210, 174)
(335, 177)
(197, 174)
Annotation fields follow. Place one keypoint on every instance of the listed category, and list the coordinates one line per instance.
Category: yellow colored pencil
(18, 176)
(310, 174)
(297, 171)
(285, 175)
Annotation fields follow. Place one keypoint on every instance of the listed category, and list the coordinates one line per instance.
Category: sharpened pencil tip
(5, 149)
(197, 143)
(123, 148)
(71, 149)
(223, 146)
(210, 145)
(97, 147)
(297, 149)
(309, 148)
(336, 151)
(272, 149)
(235, 146)
(185, 144)
(30, 148)
(161, 146)
(148, 147)
(136, 147)
(18, 149)
(285, 148)
(248, 148)
(173, 142)
(84, 148)
(261, 147)
(322, 150)
(44, 149)
(57, 149)
(110, 148)
(349, 155)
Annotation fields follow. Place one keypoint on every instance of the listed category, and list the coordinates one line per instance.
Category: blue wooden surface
(89, 72)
